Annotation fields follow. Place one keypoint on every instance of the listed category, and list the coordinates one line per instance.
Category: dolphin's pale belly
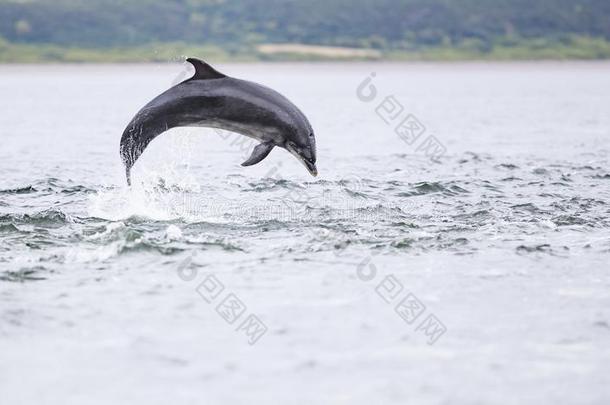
(261, 133)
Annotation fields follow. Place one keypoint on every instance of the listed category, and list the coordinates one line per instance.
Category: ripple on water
(19, 190)
(36, 273)
(271, 184)
(48, 217)
(423, 188)
(8, 228)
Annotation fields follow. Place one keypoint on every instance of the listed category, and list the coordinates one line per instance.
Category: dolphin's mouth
(309, 165)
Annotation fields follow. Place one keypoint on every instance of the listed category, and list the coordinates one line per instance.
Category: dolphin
(214, 100)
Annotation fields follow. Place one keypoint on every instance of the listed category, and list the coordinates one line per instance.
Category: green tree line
(238, 25)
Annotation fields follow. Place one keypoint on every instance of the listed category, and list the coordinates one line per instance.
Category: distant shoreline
(578, 48)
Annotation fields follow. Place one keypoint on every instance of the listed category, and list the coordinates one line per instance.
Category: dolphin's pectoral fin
(259, 153)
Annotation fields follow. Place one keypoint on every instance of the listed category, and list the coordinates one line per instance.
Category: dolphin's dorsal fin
(203, 71)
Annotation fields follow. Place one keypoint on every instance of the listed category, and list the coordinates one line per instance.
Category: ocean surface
(453, 250)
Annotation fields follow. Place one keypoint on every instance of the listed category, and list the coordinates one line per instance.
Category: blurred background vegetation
(159, 30)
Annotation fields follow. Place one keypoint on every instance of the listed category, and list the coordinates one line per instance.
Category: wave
(19, 190)
(49, 217)
(422, 188)
(36, 273)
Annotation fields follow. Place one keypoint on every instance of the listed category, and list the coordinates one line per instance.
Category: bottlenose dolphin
(212, 99)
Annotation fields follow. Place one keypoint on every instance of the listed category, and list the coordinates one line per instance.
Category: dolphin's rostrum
(212, 99)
